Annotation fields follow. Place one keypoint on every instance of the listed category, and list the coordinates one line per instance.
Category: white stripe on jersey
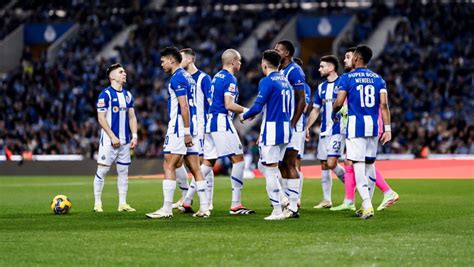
(286, 132)
(173, 114)
(122, 114)
(351, 131)
(328, 109)
(199, 102)
(369, 125)
(271, 132)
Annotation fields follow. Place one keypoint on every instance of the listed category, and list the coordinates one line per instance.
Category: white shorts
(108, 154)
(272, 154)
(362, 148)
(175, 145)
(330, 146)
(222, 144)
(201, 145)
(210, 151)
(297, 143)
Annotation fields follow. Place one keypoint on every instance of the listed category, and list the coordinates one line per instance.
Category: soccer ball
(61, 204)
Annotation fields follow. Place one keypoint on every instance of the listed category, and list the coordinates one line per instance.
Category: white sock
(182, 180)
(293, 190)
(371, 176)
(188, 199)
(339, 171)
(237, 181)
(326, 184)
(168, 191)
(300, 173)
(272, 174)
(362, 184)
(203, 199)
(208, 174)
(122, 183)
(99, 179)
(284, 187)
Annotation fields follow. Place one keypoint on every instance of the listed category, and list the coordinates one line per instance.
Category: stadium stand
(49, 108)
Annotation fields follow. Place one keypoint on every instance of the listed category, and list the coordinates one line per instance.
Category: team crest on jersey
(128, 99)
(101, 103)
(336, 89)
(232, 87)
(103, 157)
(115, 109)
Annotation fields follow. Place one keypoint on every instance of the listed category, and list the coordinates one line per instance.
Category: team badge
(127, 99)
(103, 157)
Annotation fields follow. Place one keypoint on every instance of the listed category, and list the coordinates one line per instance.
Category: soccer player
(116, 116)
(390, 196)
(295, 75)
(201, 102)
(366, 92)
(331, 138)
(273, 98)
(307, 94)
(181, 137)
(223, 140)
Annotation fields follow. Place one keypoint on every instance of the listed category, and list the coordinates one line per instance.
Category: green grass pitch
(431, 225)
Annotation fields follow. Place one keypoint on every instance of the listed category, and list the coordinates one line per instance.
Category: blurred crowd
(429, 69)
(49, 108)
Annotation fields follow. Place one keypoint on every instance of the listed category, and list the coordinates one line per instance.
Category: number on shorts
(336, 145)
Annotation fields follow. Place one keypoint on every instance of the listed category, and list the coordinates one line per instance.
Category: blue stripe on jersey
(296, 78)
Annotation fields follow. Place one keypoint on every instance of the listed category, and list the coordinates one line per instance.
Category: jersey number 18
(367, 95)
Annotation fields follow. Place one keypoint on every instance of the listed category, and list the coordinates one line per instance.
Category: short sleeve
(206, 86)
(343, 83)
(317, 98)
(297, 79)
(179, 84)
(307, 91)
(103, 102)
(130, 100)
(231, 88)
(383, 86)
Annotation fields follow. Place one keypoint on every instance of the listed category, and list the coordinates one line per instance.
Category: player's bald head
(229, 55)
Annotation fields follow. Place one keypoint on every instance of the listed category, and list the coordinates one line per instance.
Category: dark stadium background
(54, 55)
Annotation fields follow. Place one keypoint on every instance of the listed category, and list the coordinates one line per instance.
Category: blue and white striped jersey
(115, 104)
(181, 84)
(296, 77)
(363, 101)
(220, 119)
(203, 93)
(274, 97)
(324, 99)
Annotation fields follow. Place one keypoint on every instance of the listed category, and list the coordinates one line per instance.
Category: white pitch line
(75, 183)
